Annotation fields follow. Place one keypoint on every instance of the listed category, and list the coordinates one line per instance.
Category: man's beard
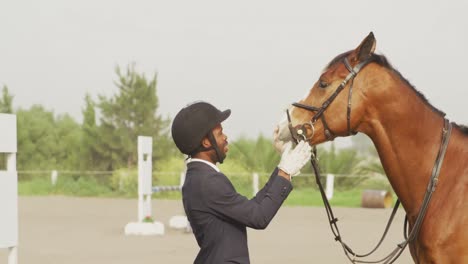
(218, 155)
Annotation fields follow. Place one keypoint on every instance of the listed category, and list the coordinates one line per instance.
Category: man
(217, 214)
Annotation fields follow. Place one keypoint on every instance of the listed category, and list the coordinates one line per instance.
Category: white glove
(292, 160)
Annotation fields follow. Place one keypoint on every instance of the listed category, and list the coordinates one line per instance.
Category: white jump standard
(9, 189)
(145, 224)
(145, 150)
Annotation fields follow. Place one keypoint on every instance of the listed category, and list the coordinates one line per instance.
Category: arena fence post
(330, 185)
(255, 183)
(53, 177)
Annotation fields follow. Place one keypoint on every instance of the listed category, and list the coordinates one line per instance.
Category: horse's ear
(366, 48)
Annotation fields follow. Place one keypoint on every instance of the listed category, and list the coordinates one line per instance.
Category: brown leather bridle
(299, 132)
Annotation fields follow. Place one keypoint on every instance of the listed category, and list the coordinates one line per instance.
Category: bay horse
(359, 91)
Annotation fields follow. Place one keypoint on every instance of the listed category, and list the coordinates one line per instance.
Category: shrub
(125, 181)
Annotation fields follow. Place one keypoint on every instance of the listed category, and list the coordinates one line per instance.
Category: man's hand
(292, 160)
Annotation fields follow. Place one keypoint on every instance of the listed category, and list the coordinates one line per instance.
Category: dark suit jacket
(219, 215)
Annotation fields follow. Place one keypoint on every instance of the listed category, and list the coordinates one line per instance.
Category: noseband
(300, 132)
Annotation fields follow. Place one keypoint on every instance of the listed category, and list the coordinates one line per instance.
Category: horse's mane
(382, 61)
(463, 128)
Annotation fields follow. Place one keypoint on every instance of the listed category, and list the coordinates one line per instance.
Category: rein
(390, 258)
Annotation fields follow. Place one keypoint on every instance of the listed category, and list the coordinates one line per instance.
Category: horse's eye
(323, 84)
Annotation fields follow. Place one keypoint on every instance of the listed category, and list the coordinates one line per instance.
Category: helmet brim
(223, 116)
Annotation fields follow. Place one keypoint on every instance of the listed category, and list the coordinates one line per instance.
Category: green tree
(131, 112)
(257, 155)
(37, 140)
(371, 164)
(338, 161)
(46, 142)
(6, 102)
(363, 145)
(341, 162)
(370, 167)
(68, 133)
(89, 156)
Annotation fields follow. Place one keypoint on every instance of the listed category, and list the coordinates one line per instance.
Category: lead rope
(390, 258)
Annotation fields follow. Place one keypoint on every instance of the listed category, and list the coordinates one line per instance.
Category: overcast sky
(255, 57)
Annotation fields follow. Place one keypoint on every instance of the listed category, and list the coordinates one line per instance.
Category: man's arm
(261, 194)
(221, 197)
(226, 203)
(292, 160)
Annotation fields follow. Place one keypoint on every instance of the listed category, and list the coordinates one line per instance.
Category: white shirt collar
(204, 161)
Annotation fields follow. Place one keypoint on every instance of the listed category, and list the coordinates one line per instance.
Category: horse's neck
(407, 135)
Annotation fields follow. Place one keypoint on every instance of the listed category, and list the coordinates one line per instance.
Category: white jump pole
(9, 188)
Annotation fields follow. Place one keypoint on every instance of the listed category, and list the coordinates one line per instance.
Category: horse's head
(335, 104)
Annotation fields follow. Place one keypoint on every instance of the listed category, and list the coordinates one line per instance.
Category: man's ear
(206, 142)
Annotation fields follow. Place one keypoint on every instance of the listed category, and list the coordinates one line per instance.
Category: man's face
(221, 139)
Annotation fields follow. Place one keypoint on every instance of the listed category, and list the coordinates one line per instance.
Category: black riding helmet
(192, 123)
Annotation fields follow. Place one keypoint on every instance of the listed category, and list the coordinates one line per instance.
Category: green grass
(65, 186)
(312, 197)
(302, 195)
